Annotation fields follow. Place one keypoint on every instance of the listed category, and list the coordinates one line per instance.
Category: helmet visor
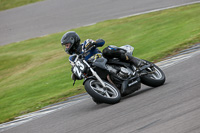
(66, 47)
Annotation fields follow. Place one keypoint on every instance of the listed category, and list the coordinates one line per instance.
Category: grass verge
(8, 4)
(36, 72)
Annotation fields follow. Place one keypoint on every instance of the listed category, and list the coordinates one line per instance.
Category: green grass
(8, 4)
(36, 72)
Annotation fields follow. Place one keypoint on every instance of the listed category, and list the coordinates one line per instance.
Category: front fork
(95, 74)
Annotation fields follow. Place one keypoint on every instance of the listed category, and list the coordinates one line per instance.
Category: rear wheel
(154, 76)
(108, 94)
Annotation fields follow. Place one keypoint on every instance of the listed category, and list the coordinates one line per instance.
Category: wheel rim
(109, 91)
(156, 74)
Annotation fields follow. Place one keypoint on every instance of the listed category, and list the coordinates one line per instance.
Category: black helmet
(74, 40)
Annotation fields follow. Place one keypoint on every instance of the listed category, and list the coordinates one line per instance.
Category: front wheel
(154, 76)
(108, 94)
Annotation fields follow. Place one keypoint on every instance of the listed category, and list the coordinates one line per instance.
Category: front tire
(155, 76)
(109, 94)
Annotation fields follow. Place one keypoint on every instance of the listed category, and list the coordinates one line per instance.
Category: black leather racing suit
(114, 52)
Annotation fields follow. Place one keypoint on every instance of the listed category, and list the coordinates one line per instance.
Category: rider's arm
(99, 42)
(89, 43)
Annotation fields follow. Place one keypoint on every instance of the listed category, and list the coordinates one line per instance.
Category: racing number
(76, 70)
(78, 63)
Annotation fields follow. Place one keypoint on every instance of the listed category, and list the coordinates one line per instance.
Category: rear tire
(153, 79)
(97, 102)
(109, 94)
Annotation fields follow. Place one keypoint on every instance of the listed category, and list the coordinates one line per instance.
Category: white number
(75, 70)
(78, 63)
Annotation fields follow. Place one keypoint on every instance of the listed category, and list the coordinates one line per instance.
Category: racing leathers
(115, 52)
(91, 49)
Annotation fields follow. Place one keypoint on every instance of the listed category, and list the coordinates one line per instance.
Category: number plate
(79, 68)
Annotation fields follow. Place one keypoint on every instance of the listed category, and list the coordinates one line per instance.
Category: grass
(8, 4)
(36, 72)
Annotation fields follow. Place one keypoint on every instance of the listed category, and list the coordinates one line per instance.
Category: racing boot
(135, 61)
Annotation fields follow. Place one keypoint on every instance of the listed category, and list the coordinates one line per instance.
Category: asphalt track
(51, 16)
(171, 108)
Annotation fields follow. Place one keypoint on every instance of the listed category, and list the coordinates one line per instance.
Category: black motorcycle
(106, 81)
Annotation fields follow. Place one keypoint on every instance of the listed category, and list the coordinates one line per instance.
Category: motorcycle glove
(89, 44)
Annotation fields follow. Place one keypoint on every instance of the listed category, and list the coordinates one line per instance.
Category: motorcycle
(107, 80)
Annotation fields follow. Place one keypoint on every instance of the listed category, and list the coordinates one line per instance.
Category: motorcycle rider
(71, 44)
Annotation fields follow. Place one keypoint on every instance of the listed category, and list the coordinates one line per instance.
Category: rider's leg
(135, 61)
(110, 53)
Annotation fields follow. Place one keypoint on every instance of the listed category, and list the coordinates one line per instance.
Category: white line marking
(37, 114)
(89, 24)
(175, 60)
(160, 9)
